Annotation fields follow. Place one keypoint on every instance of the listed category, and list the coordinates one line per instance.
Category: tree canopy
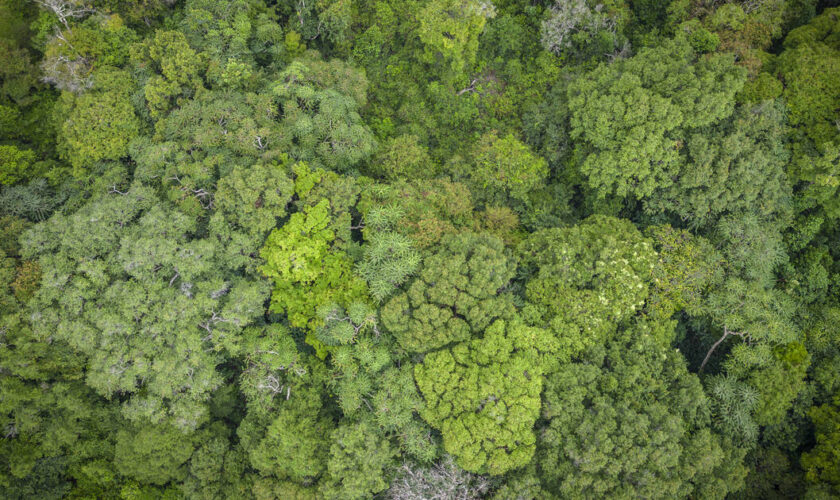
(419, 249)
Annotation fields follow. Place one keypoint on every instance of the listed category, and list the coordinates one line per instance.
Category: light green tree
(306, 274)
(586, 279)
(484, 396)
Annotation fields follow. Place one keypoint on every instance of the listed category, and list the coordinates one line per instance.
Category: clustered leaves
(448, 249)
(455, 296)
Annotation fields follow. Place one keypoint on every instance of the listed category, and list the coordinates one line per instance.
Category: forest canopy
(419, 249)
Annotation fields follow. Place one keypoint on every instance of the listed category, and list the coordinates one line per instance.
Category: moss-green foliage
(821, 462)
(15, 164)
(403, 157)
(456, 295)
(483, 395)
(100, 123)
(808, 68)
(172, 68)
(505, 170)
(449, 30)
(688, 267)
(153, 455)
(294, 447)
(586, 279)
(631, 421)
(389, 257)
(338, 249)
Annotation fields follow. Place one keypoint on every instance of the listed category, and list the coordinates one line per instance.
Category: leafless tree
(750, 6)
(569, 17)
(443, 481)
(64, 71)
(66, 9)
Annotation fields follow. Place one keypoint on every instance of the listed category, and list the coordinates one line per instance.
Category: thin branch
(726, 333)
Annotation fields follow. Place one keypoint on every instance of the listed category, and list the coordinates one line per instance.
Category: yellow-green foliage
(484, 396)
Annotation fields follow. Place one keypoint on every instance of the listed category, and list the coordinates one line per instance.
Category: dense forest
(419, 249)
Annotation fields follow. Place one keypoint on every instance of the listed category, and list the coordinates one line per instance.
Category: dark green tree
(455, 296)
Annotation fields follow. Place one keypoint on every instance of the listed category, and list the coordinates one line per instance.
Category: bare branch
(66, 9)
(726, 333)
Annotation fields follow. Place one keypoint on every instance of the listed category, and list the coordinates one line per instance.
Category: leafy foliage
(306, 275)
(483, 395)
(419, 249)
(135, 255)
(320, 104)
(455, 296)
(586, 279)
(632, 421)
(630, 117)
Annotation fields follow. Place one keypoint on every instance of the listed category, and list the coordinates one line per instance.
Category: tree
(689, 267)
(631, 421)
(101, 123)
(505, 171)
(34, 201)
(630, 117)
(809, 67)
(153, 454)
(54, 426)
(368, 381)
(449, 30)
(66, 9)
(249, 203)
(125, 253)
(237, 37)
(389, 257)
(72, 56)
(403, 158)
(584, 280)
(428, 210)
(772, 475)
(306, 274)
(15, 164)
(326, 21)
(285, 393)
(205, 139)
(733, 403)
(484, 396)
(172, 69)
(820, 462)
(294, 447)
(455, 296)
(359, 457)
(739, 167)
(819, 177)
(320, 104)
